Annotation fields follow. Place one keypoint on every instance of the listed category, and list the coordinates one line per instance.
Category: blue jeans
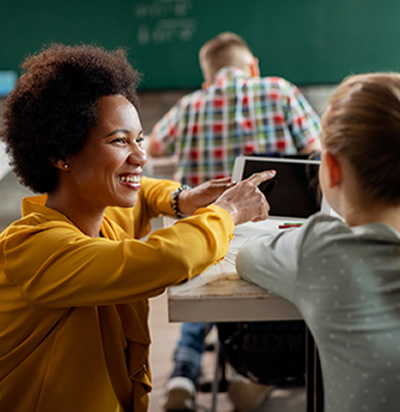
(189, 350)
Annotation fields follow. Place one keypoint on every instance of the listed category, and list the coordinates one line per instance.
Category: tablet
(293, 193)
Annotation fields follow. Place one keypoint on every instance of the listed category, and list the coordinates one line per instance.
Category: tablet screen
(294, 192)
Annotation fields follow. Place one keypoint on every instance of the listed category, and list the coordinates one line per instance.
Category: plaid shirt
(238, 114)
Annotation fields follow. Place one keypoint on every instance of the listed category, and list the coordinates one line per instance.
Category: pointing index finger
(258, 178)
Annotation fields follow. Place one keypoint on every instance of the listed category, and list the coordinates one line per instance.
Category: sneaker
(179, 393)
(247, 395)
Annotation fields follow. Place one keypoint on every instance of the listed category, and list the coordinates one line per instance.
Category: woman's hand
(203, 195)
(244, 201)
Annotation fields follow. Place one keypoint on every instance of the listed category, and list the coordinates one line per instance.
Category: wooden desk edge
(267, 307)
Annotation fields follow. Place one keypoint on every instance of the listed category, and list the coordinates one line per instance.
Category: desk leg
(314, 388)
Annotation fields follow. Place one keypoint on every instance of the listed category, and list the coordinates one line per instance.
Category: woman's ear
(333, 168)
(61, 165)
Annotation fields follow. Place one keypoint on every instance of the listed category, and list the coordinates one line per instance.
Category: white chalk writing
(164, 21)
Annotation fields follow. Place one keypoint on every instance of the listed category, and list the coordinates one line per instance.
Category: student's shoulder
(278, 83)
(322, 229)
(328, 222)
(276, 80)
(190, 98)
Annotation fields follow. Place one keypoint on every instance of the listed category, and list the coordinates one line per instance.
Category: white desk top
(219, 295)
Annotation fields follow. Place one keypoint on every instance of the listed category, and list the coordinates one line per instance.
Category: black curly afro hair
(54, 104)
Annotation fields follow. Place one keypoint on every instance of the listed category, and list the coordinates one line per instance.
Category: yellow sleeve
(153, 200)
(55, 265)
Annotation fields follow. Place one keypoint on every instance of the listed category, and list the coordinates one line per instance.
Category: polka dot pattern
(346, 283)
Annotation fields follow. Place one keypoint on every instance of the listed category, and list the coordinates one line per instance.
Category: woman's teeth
(130, 179)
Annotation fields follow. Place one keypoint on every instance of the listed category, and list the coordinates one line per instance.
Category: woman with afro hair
(74, 277)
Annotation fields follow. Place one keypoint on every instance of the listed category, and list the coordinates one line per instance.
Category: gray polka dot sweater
(345, 281)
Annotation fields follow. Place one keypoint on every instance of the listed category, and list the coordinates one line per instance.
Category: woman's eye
(119, 140)
(140, 141)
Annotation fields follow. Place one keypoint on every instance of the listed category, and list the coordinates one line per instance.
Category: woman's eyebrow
(117, 131)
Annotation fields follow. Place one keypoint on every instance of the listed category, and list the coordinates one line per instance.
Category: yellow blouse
(74, 333)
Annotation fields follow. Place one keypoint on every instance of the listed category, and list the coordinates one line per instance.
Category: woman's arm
(55, 265)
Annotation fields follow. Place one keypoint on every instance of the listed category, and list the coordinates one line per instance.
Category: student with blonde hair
(343, 274)
(226, 50)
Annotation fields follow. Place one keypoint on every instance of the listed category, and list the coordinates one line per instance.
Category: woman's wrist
(230, 208)
(176, 201)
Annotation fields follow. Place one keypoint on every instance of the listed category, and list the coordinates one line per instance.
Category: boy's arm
(302, 120)
(154, 147)
(162, 139)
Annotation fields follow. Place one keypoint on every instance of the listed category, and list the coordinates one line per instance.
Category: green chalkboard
(306, 41)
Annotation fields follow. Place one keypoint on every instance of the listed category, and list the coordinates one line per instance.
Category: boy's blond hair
(226, 49)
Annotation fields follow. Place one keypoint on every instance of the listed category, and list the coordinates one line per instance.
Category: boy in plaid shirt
(236, 112)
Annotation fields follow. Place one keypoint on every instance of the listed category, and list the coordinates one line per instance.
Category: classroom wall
(306, 41)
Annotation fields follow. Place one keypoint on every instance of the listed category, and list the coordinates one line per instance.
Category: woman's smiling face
(107, 171)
